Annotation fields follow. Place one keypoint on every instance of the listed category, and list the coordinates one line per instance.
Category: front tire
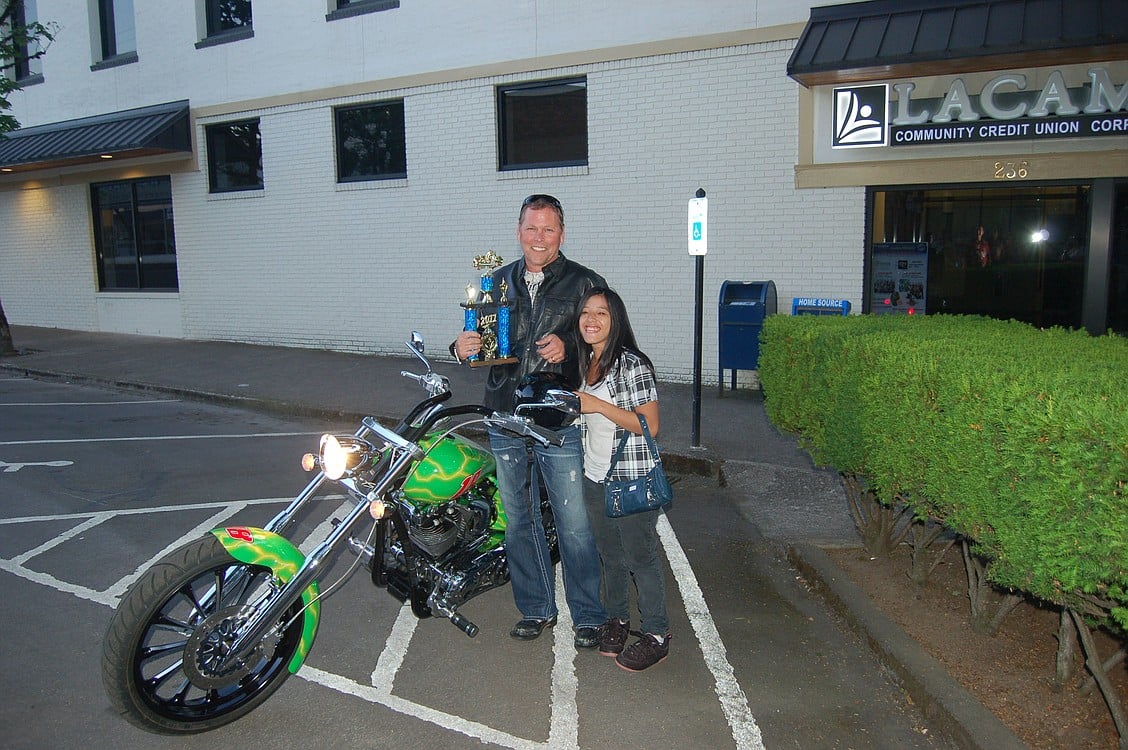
(161, 653)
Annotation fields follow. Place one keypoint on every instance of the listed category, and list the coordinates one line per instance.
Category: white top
(533, 280)
(599, 436)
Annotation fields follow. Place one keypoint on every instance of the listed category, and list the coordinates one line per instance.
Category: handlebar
(433, 382)
(525, 427)
(439, 385)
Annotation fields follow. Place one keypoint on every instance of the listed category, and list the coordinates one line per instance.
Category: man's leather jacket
(555, 312)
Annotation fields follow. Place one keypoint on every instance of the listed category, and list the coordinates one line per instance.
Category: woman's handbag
(650, 492)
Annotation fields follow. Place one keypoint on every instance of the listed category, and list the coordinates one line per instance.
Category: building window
(1010, 253)
(25, 64)
(370, 142)
(349, 8)
(542, 124)
(226, 21)
(227, 15)
(116, 30)
(234, 156)
(133, 235)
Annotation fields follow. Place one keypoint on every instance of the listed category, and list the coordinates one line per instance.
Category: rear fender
(259, 547)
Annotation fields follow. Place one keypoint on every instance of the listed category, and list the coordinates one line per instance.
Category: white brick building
(679, 96)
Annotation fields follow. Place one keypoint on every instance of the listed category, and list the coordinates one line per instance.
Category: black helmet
(547, 398)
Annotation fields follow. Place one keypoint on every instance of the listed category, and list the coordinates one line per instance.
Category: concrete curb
(945, 703)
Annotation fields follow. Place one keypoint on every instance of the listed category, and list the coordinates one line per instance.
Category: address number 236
(1011, 170)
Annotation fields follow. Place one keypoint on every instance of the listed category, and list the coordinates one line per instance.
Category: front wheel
(161, 657)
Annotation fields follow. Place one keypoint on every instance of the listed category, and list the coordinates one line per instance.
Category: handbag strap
(623, 441)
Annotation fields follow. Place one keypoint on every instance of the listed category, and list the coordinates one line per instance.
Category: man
(544, 288)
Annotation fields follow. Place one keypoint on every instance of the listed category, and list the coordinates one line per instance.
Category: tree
(7, 346)
(20, 42)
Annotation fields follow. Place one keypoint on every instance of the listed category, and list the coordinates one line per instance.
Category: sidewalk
(792, 502)
(323, 383)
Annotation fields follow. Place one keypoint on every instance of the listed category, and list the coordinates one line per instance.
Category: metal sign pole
(698, 213)
(695, 430)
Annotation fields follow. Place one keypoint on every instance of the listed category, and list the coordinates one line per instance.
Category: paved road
(95, 483)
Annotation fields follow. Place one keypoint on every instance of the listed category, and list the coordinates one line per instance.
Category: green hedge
(1012, 436)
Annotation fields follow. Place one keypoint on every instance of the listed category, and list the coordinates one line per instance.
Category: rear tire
(160, 656)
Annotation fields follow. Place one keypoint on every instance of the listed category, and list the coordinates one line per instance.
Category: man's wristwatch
(454, 352)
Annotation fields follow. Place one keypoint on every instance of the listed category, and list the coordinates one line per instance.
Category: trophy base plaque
(484, 319)
(491, 362)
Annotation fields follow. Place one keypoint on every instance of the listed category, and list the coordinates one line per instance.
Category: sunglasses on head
(542, 199)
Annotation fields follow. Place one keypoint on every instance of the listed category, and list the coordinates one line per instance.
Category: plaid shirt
(631, 384)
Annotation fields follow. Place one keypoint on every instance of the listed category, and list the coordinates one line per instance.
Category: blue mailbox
(742, 309)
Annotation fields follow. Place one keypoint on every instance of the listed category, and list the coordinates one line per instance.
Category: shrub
(1012, 436)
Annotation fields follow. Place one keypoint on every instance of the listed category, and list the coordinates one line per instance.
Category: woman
(618, 381)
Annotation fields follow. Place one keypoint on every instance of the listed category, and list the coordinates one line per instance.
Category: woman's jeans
(530, 568)
(629, 547)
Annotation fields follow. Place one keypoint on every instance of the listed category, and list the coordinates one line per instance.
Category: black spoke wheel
(163, 657)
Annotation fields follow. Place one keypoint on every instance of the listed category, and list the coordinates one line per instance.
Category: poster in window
(900, 278)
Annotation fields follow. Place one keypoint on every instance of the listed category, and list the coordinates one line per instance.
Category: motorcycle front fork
(269, 616)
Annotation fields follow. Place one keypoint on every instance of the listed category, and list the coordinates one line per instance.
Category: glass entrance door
(1118, 266)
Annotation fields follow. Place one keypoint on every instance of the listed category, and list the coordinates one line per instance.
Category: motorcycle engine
(439, 528)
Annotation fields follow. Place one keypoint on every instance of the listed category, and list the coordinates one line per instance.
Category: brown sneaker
(643, 653)
(614, 637)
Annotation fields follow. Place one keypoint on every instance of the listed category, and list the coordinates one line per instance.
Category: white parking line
(564, 719)
(67, 441)
(92, 403)
(733, 701)
(118, 589)
(419, 711)
(8, 468)
(139, 511)
(110, 596)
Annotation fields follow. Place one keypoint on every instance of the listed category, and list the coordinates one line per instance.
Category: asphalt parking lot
(97, 483)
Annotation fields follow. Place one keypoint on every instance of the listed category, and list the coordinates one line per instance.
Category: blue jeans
(629, 548)
(530, 566)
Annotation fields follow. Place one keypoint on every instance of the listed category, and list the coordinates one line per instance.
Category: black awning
(905, 38)
(159, 129)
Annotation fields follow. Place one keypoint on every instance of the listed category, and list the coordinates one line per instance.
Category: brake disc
(209, 645)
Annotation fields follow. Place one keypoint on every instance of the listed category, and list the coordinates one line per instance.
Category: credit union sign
(1005, 108)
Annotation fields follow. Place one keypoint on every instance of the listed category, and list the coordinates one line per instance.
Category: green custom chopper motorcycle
(210, 631)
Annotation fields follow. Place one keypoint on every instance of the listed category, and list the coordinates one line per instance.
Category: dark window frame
(347, 9)
(221, 29)
(518, 147)
(21, 66)
(141, 233)
(112, 56)
(108, 32)
(348, 162)
(222, 138)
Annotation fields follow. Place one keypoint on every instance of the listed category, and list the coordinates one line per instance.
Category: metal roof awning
(147, 131)
(910, 38)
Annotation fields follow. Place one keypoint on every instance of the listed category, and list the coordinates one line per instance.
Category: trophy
(488, 317)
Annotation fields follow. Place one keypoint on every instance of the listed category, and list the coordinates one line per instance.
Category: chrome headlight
(339, 456)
